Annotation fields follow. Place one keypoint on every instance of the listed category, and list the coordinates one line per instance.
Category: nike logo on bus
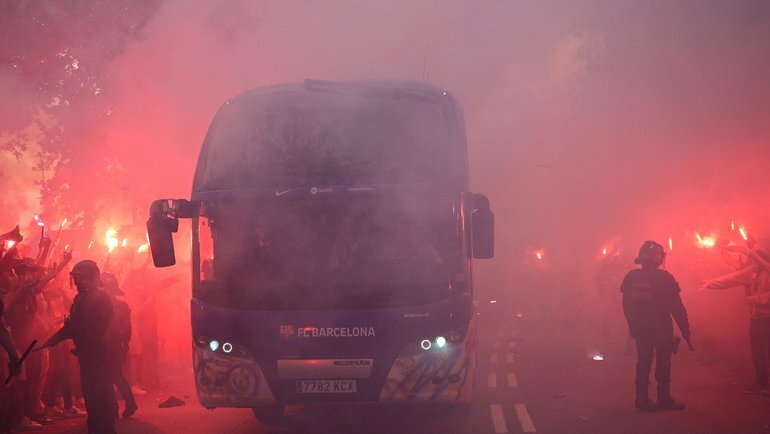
(281, 193)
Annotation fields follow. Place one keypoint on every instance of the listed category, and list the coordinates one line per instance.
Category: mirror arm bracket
(174, 208)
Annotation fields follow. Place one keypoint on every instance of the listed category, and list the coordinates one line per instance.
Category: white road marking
(512, 382)
(493, 359)
(498, 420)
(524, 420)
(492, 381)
(496, 344)
(509, 358)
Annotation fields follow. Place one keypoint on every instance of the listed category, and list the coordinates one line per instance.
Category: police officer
(117, 338)
(89, 318)
(650, 299)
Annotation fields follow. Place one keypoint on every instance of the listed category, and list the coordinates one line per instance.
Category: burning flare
(744, 234)
(706, 242)
(143, 248)
(111, 239)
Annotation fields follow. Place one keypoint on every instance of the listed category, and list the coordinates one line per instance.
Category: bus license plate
(326, 386)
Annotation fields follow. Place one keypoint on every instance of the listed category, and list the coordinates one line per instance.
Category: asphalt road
(535, 375)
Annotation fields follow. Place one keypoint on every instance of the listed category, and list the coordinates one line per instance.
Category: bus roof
(320, 133)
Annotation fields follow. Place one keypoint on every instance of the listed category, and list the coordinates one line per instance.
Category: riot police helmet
(86, 272)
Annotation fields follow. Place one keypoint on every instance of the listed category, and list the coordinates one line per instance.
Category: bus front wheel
(271, 415)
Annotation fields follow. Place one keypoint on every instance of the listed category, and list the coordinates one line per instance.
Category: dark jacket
(87, 324)
(119, 331)
(650, 299)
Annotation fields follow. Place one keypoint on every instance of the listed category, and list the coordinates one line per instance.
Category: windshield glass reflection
(330, 253)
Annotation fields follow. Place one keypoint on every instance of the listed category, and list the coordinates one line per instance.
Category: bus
(333, 232)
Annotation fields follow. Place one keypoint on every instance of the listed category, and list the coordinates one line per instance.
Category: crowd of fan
(36, 294)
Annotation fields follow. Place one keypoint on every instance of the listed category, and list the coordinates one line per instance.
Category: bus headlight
(441, 342)
(447, 340)
(226, 348)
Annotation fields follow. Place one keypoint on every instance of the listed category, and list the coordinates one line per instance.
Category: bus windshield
(330, 253)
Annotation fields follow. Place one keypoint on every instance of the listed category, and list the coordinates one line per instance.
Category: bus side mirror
(482, 228)
(159, 229)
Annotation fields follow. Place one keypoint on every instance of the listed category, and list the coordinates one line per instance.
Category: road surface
(534, 375)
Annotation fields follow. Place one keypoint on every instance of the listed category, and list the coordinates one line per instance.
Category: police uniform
(117, 338)
(89, 318)
(650, 299)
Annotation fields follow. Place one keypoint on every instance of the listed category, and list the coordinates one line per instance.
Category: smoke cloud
(588, 122)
